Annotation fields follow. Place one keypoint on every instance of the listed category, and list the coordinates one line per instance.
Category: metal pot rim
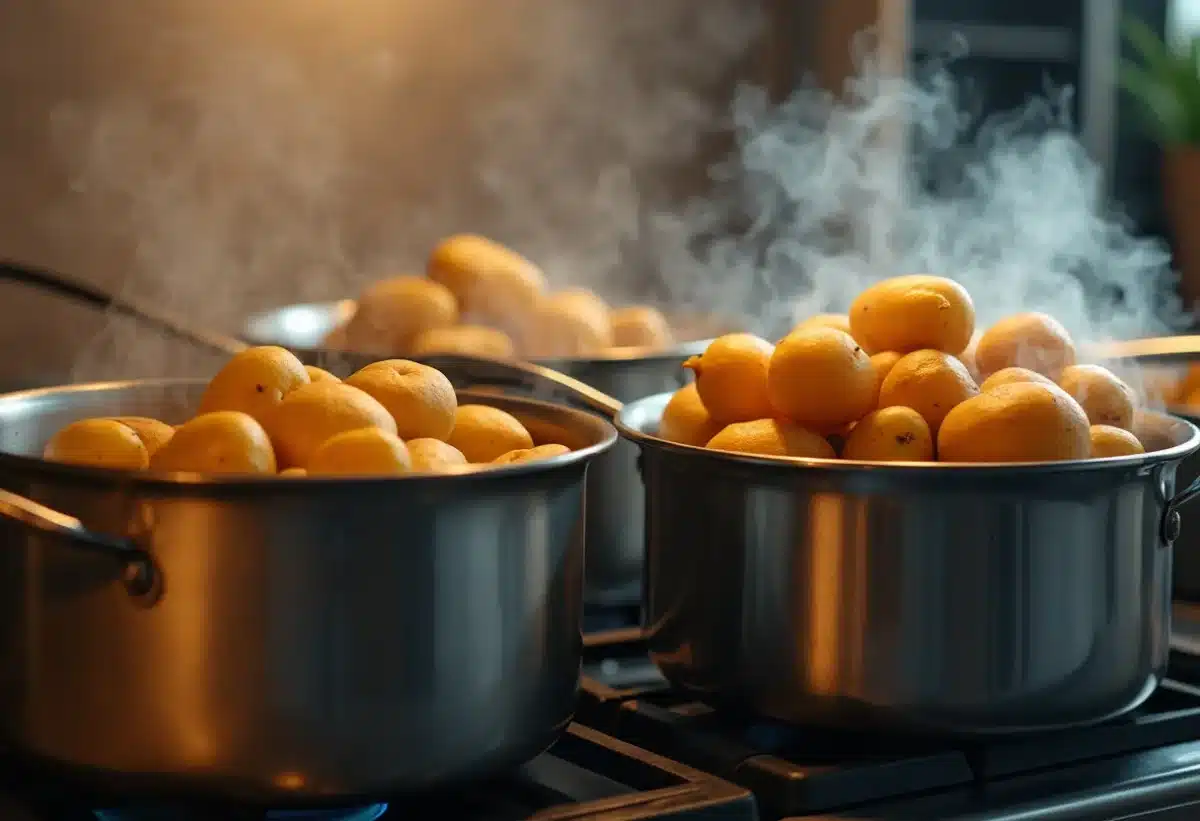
(254, 336)
(33, 465)
(646, 412)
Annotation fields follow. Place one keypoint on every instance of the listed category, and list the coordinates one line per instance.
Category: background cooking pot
(285, 641)
(957, 598)
(616, 511)
(616, 514)
(1165, 361)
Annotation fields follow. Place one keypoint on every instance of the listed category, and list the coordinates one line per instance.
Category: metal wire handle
(84, 292)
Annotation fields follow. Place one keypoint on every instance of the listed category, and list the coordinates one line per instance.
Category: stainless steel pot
(1185, 576)
(945, 597)
(284, 642)
(616, 546)
(971, 599)
(616, 517)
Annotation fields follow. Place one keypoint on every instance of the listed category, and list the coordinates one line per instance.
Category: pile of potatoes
(481, 298)
(905, 376)
(267, 413)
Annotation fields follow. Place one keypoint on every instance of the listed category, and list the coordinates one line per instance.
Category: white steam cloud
(259, 179)
(254, 176)
(826, 195)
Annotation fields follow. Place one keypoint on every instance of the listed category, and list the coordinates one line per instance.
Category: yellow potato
(1104, 396)
(394, 312)
(100, 443)
(420, 399)
(483, 433)
(534, 454)
(464, 469)
(911, 313)
(839, 322)
(434, 456)
(310, 415)
(568, 324)
(361, 452)
(883, 363)
(930, 382)
(640, 326)
(254, 382)
(316, 374)
(820, 378)
(1009, 376)
(967, 356)
(494, 285)
(153, 433)
(336, 339)
(466, 340)
(293, 473)
(731, 377)
(1019, 422)
(1034, 340)
(772, 437)
(685, 420)
(892, 434)
(221, 442)
(1111, 441)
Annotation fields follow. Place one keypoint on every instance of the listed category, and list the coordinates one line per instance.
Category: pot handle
(523, 377)
(170, 324)
(140, 576)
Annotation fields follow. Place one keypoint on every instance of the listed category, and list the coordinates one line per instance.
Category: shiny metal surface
(616, 514)
(1186, 574)
(314, 640)
(972, 599)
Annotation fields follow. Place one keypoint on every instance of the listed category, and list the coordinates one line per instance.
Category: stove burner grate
(800, 771)
(369, 813)
(584, 775)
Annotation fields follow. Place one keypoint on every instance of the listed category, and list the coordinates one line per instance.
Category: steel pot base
(315, 640)
(973, 599)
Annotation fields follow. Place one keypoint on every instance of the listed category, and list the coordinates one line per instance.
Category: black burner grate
(801, 771)
(585, 776)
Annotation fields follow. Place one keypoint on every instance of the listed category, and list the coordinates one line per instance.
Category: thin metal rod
(88, 294)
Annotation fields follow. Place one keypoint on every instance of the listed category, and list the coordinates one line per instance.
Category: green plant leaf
(1165, 116)
(1155, 54)
(1166, 84)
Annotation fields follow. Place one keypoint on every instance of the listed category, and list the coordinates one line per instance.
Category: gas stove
(1146, 765)
(641, 751)
(585, 776)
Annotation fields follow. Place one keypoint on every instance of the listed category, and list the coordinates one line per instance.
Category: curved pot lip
(158, 480)
(640, 413)
(252, 332)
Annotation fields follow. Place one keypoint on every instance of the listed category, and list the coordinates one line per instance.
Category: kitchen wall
(222, 157)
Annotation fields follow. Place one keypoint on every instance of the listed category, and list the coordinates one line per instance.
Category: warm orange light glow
(824, 602)
(290, 781)
(183, 614)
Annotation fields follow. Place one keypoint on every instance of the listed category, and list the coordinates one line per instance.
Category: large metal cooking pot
(285, 641)
(616, 518)
(972, 599)
(957, 598)
(616, 512)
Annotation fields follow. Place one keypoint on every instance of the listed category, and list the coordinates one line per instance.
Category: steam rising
(825, 196)
(255, 176)
(259, 179)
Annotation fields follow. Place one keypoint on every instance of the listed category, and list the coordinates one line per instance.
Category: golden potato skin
(911, 313)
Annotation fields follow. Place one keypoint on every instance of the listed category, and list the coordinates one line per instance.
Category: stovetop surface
(641, 751)
(586, 776)
(1147, 761)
